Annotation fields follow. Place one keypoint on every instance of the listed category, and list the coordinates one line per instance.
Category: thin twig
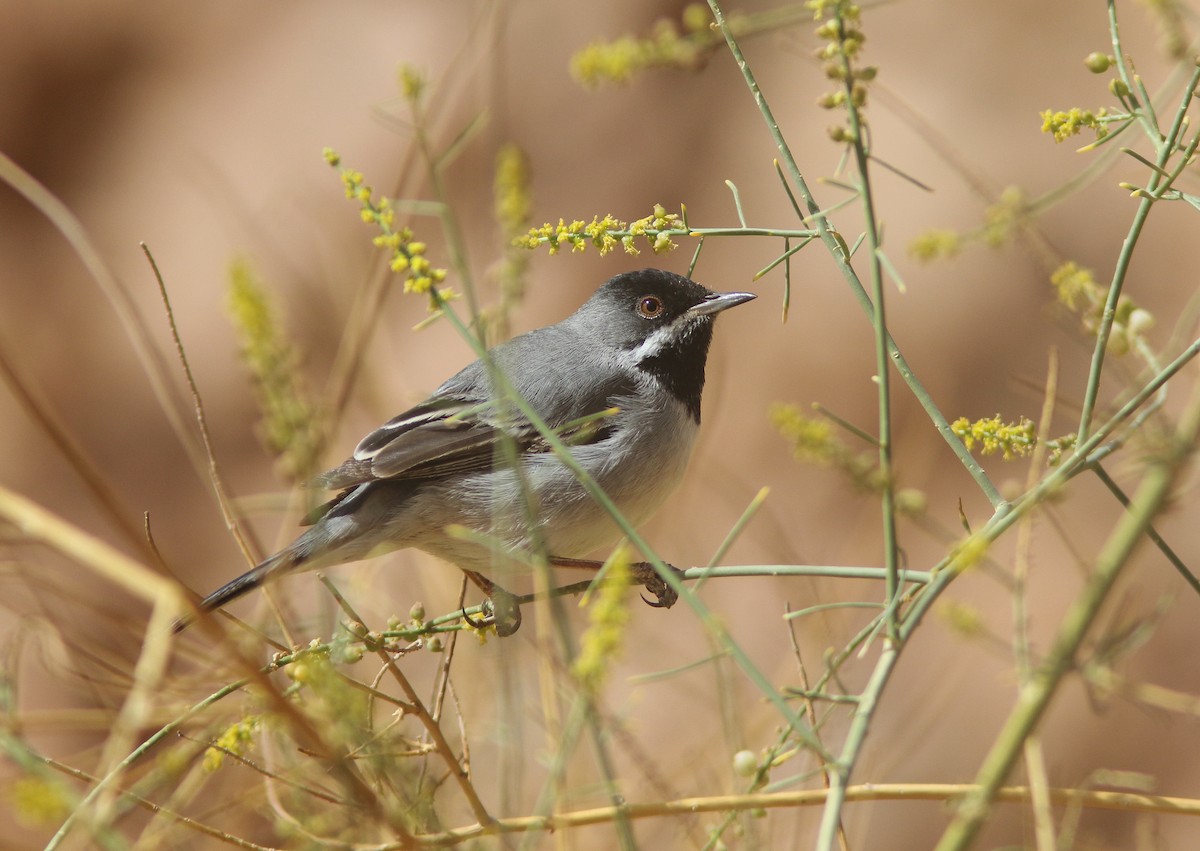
(214, 474)
(1094, 799)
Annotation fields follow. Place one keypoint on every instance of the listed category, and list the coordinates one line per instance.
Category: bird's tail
(281, 562)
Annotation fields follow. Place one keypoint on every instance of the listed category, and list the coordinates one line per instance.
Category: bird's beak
(717, 302)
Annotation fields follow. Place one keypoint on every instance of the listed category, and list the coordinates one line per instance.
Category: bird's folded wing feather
(457, 431)
(436, 438)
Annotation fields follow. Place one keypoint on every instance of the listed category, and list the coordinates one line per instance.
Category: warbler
(619, 382)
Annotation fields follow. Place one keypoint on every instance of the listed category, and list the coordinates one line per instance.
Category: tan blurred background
(199, 129)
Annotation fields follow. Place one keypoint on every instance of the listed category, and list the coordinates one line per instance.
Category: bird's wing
(441, 435)
(449, 434)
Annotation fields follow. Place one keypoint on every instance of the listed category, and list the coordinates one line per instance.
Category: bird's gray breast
(637, 464)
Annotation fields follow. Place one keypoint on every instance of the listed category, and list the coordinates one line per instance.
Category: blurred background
(198, 130)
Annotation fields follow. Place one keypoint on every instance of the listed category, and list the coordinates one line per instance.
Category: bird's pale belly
(551, 510)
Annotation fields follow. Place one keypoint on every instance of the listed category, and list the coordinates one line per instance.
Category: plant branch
(1094, 799)
(1035, 695)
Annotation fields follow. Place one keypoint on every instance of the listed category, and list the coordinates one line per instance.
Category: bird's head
(660, 323)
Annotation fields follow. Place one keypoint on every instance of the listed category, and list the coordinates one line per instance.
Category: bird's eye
(650, 306)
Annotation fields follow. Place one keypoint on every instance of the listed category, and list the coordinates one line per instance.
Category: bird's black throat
(679, 365)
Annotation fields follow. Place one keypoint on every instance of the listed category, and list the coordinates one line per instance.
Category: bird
(619, 382)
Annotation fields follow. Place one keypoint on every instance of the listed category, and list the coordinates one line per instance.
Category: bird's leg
(643, 573)
(506, 611)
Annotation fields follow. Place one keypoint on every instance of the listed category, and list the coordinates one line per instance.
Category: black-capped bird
(637, 346)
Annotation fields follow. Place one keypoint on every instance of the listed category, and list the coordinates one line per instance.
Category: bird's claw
(664, 595)
(501, 611)
(471, 622)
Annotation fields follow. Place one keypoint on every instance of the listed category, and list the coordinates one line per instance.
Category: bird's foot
(502, 609)
(505, 612)
(664, 595)
(642, 572)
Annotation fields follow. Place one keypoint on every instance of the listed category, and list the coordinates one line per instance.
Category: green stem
(1110, 311)
(1166, 147)
(747, 231)
(1146, 114)
(882, 366)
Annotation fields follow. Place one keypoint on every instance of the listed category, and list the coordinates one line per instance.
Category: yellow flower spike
(287, 418)
(811, 438)
(1002, 218)
(513, 200)
(607, 233)
(608, 616)
(1063, 125)
(1013, 440)
(935, 244)
(236, 739)
(412, 82)
(1074, 284)
(38, 802)
(331, 156)
(407, 255)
